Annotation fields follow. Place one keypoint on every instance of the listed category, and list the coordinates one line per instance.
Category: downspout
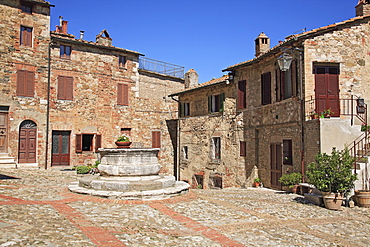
(177, 165)
(48, 107)
(303, 117)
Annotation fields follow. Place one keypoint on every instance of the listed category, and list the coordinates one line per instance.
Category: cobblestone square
(37, 209)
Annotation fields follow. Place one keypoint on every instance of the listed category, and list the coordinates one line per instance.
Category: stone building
(260, 119)
(64, 97)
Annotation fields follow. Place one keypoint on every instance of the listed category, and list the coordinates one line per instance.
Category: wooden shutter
(243, 148)
(68, 88)
(241, 94)
(61, 87)
(29, 36)
(210, 103)
(78, 143)
(182, 109)
(122, 94)
(222, 102)
(266, 88)
(156, 139)
(97, 143)
(21, 79)
(30, 84)
(294, 78)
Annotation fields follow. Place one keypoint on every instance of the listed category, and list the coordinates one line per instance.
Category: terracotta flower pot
(123, 144)
(332, 201)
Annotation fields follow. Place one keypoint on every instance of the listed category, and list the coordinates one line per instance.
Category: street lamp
(284, 61)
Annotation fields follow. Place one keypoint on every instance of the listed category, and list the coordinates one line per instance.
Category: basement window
(215, 181)
(198, 181)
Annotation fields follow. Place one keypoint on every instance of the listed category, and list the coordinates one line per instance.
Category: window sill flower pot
(123, 144)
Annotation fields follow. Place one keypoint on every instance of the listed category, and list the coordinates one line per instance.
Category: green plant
(123, 138)
(257, 180)
(82, 169)
(290, 179)
(365, 127)
(326, 113)
(332, 173)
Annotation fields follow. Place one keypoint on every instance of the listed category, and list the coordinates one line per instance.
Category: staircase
(6, 161)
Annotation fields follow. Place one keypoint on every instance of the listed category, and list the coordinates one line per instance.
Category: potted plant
(314, 115)
(257, 182)
(291, 180)
(123, 141)
(326, 113)
(332, 175)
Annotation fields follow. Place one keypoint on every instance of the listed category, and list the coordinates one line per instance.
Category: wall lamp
(284, 61)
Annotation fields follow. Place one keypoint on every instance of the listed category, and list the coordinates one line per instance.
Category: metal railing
(161, 67)
(350, 107)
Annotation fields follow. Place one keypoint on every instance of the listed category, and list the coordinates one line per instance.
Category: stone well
(131, 174)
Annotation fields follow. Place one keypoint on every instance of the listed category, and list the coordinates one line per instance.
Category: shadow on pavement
(2, 177)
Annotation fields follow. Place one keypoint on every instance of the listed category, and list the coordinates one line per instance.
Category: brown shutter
(21, 78)
(60, 87)
(97, 143)
(30, 84)
(68, 88)
(294, 78)
(119, 94)
(78, 143)
(266, 88)
(243, 148)
(241, 94)
(29, 36)
(125, 94)
(156, 139)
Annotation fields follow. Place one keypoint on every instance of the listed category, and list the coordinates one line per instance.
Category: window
(65, 51)
(287, 152)
(286, 82)
(126, 131)
(122, 61)
(87, 142)
(26, 8)
(156, 139)
(242, 90)
(185, 152)
(25, 83)
(243, 148)
(185, 109)
(65, 88)
(216, 148)
(216, 103)
(26, 36)
(122, 94)
(266, 88)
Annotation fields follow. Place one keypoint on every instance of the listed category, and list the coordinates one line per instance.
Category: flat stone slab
(179, 188)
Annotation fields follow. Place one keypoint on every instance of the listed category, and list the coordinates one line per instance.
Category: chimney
(63, 25)
(191, 78)
(363, 8)
(262, 44)
(103, 38)
(82, 34)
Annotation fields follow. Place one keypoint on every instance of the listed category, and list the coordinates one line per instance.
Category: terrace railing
(161, 67)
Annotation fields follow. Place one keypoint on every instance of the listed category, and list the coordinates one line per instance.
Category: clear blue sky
(206, 35)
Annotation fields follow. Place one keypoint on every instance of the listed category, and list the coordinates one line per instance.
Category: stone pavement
(36, 209)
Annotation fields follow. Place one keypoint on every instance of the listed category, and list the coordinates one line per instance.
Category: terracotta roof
(71, 38)
(304, 35)
(214, 81)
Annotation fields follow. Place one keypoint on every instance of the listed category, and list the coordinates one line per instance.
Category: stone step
(6, 161)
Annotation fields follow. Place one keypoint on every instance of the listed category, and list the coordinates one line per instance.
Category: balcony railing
(349, 107)
(161, 67)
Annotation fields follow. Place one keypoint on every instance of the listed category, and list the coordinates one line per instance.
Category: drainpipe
(48, 108)
(303, 117)
(177, 165)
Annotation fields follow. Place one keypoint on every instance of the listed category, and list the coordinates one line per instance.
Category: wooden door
(3, 132)
(27, 142)
(60, 149)
(327, 89)
(276, 160)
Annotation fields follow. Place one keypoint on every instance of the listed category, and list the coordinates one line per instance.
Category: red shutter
(68, 88)
(28, 36)
(125, 94)
(78, 143)
(30, 84)
(241, 94)
(243, 148)
(156, 139)
(97, 143)
(21, 79)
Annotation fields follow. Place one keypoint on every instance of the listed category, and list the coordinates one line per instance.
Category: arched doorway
(27, 142)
